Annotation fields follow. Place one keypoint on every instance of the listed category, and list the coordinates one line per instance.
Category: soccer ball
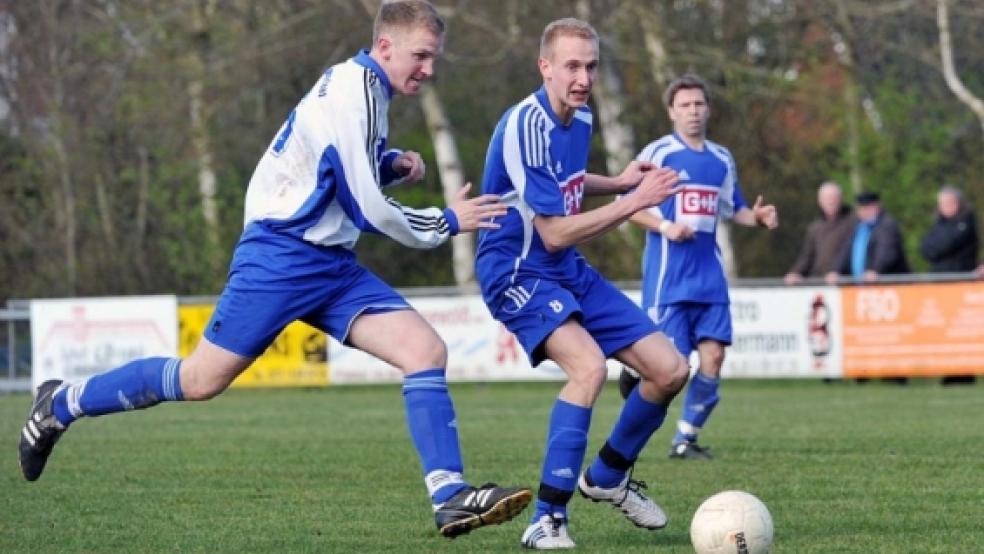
(733, 522)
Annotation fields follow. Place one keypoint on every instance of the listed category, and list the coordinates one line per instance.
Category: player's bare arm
(631, 176)
(559, 232)
(670, 229)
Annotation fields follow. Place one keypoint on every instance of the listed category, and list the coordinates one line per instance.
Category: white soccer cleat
(629, 499)
(547, 533)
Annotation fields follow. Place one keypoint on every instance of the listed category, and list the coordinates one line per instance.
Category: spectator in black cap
(876, 248)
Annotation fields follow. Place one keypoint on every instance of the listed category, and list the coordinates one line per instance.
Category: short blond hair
(406, 15)
(567, 27)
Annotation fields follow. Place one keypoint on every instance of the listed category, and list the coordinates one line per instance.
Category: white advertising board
(73, 338)
(479, 348)
(785, 332)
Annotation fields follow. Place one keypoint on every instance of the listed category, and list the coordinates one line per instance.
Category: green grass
(842, 467)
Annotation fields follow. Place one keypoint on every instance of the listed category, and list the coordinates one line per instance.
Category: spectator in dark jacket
(826, 237)
(876, 248)
(951, 244)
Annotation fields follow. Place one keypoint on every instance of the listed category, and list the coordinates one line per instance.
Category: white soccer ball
(733, 522)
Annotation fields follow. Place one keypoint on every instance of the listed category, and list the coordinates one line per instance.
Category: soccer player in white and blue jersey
(317, 187)
(684, 289)
(558, 307)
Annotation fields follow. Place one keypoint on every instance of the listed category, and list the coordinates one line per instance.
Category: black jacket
(951, 244)
(885, 254)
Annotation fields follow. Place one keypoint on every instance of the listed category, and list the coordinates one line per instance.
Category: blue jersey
(537, 165)
(690, 270)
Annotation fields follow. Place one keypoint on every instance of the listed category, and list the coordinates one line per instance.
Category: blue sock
(638, 421)
(434, 430)
(139, 384)
(702, 396)
(567, 439)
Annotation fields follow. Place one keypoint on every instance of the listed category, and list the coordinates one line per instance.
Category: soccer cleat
(474, 507)
(40, 432)
(547, 533)
(628, 498)
(690, 451)
(627, 380)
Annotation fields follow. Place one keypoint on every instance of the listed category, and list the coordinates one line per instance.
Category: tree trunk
(618, 138)
(452, 176)
(949, 69)
(199, 132)
(726, 246)
(659, 60)
(65, 200)
(845, 55)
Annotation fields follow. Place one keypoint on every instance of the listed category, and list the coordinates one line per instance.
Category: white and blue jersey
(320, 180)
(536, 164)
(315, 190)
(690, 270)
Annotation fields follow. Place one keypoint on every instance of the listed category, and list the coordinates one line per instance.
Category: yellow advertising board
(298, 356)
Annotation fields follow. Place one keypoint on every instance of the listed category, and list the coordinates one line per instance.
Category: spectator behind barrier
(876, 247)
(826, 236)
(951, 244)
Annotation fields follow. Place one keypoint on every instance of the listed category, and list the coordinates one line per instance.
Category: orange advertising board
(913, 330)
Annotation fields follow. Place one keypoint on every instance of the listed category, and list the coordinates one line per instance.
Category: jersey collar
(365, 60)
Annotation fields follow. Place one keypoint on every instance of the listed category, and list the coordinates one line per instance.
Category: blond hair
(567, 27)
(406, 15)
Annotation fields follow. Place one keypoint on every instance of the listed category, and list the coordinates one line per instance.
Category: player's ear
(384, 45)
(544, 65)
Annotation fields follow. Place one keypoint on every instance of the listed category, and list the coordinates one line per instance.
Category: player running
(536, 283)
(316, 188)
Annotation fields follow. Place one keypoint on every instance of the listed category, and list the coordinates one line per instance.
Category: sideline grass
(843, 468)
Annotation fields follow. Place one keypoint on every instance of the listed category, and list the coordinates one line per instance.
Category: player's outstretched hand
(633, 174)
(410, 165)
(679, 232)
(656, 186)
(765, 214)
(476, 213)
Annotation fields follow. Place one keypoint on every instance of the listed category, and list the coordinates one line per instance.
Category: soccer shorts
(322, 286)
(688, 323)
(534, 308)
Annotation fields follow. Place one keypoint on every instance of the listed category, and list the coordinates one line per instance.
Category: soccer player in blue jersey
(684, 289)
(536, 283)
(315, 189)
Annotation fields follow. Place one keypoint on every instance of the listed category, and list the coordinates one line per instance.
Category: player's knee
(672, 378)
(427, 354)
(197, 385)
(590, 379)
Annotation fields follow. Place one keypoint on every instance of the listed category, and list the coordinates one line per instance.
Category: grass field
(843, 468)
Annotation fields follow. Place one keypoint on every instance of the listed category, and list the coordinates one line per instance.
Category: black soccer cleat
(474, 507)
(627, 380)
(40, 432)
(690, 451)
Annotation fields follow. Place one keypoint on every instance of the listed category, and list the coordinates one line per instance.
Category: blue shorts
(688, 323)
(533, 308)
(328, 290)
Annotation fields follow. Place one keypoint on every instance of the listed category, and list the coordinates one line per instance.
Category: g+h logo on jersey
(699, 201)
